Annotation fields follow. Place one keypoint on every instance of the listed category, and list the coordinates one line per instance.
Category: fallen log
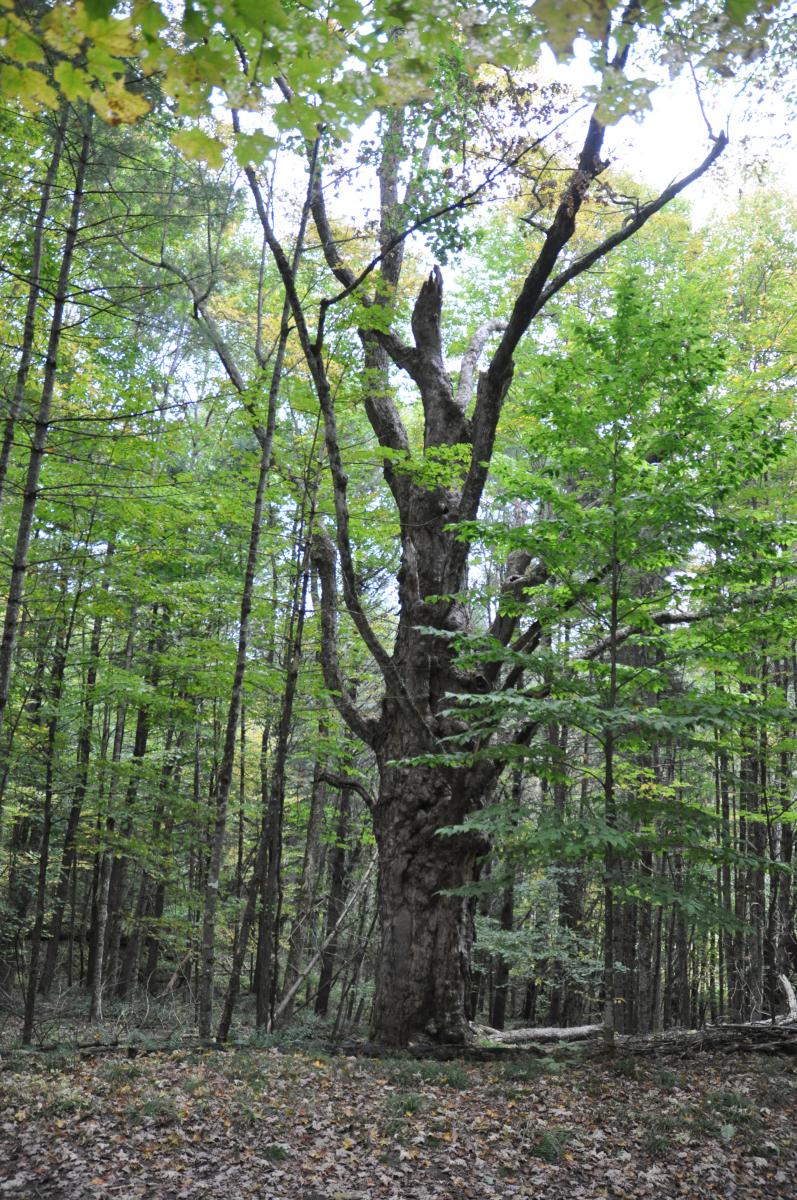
(575, 1033)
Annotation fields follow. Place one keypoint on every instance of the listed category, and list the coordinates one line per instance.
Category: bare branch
(632, 225)
(346, 781)
(297, 983)
(470, 359)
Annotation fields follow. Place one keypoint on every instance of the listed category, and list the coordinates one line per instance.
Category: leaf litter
(274, 1126)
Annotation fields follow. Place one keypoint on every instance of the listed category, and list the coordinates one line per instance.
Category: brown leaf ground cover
(302, 1126)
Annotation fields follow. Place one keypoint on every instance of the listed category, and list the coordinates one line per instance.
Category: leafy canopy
(340, 60)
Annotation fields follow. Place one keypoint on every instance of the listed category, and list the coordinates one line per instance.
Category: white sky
(671, 139)
(654, 148)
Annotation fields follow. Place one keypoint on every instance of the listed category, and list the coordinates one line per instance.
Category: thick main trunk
(426, 934)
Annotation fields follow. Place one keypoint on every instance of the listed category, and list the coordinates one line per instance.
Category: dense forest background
(249, 406)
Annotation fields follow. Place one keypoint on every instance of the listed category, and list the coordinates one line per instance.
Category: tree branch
(534, 295)
(470, 359)
(316, 366)
(297, 983)
(323, 560)
(345, 781)
(632, 224)
(495, 381)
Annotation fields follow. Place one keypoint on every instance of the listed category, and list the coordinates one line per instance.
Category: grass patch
(661, 1130)
(153, 1108)
(407, 1072)
(625, 1068)
(528, 1070)
(550, 1145)
(120, 1072)
(274, 1152)
(664, 1077)
(195, 1085)
(405, 1104)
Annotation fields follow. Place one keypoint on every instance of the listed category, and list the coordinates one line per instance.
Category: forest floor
(306, 1126)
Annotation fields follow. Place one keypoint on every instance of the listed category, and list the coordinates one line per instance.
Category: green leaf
(253, 148)
(198, 145)
(618, 96)
(99, 10)
(74, 83)
(740, 10)
(563, 23)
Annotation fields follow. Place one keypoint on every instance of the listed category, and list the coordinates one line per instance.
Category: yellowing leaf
(117, 105)
(563, 23)
(20, 47)
(29, 87)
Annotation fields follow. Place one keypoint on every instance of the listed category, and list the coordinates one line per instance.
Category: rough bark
(424, 962)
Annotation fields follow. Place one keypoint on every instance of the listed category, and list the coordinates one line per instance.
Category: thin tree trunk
(308, 882)
(41, 426)
(107, 857)
(501, 969)
(34, 292)
(266, 973)
(54, 698)
(335, 900)
(68, 857)
(208, 944)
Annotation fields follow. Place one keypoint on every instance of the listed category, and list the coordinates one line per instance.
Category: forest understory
(302, 1123)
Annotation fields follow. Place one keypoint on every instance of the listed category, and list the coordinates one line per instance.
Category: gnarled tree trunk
(426, 934)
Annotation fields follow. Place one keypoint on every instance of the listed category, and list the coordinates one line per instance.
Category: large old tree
(424, 921)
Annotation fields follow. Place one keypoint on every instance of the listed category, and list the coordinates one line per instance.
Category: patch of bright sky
(669, 140)
(653, 147)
